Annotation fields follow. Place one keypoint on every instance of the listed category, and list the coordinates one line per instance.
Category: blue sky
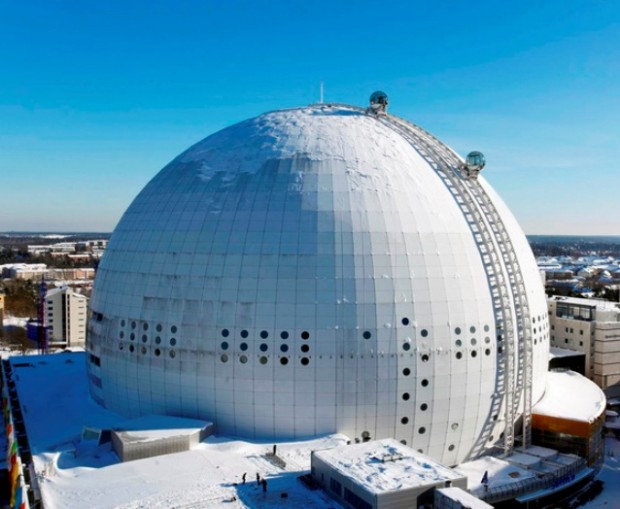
(96, 97)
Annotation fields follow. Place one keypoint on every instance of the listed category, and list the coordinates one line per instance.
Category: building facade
(591, 327)
(66, 313)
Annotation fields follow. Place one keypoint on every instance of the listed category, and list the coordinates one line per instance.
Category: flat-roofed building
(381, 474)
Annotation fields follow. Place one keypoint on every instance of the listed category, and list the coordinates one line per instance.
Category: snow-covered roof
(555, 352)
(467, 500)
(157, 427)
(386, 465)
(572, 396)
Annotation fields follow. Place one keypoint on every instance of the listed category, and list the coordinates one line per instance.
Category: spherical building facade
(322, 270)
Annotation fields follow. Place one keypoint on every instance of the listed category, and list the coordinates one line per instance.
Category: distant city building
(38, 271)
(66, 317)
(94, 248)
(30, 271)
(591, 327)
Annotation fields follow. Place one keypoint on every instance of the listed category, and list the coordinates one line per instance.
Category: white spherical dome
(305, 272)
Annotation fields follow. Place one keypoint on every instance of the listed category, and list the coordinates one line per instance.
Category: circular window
(366, 435)
(473, 341)
(144, 338)
(499, 349)
(157, 352)
(172, 354)
(451, 447)
(457, 331)
(458, 342)
(425, 358)
(424, 382)
(157, 340)
(143, 350)
(406, 371)
(263, 359)
(305, 361)
(305, 335)
(406, 347)
(284, 348)
(243, 359)
(131, 348)
(491, 438)
(264, 334)
(455, 426)
(405, 321)
(243, 347)
(472, 329)
(122, 323)
(487, 351)
(132, 336)
(133, 325)
(173, 341)
(459, 355)
(224, 345)
(406, 396)
(264, 347)
(404, 420)
(367, 335)
(423, 407)
(486, 328)
(225, 333)
(121, 335)
(284, 361)
(244, 333)
(145, 326)
(121, 346)
(158, 328)
(224, 357)
(284, 334)
(487, 340)
(422, 430)
(173, 329)
(474, 353)
(305, 348)
(423, 333)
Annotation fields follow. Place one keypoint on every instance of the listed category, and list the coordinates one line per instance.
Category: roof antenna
(321, 95)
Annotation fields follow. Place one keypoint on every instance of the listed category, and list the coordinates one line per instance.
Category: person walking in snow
(264, 483)
(243, 478)
(257, 479)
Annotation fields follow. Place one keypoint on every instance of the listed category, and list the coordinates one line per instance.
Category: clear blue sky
(96, 97)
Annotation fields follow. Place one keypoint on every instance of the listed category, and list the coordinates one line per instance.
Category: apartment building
(593, 328)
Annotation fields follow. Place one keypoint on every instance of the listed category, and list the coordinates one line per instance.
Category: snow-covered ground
(73, 473)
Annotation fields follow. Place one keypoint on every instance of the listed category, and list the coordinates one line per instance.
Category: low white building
(591, 327)
(381, 474)
(66, 313)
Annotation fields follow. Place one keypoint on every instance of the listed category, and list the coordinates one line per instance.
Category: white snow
(403, 467)
(555, 352)
(158, 427)
(500, 473)
(564, 388)
(71, 473)
(75, 474)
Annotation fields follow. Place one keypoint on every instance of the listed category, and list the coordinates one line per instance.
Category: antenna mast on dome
(321, 94)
